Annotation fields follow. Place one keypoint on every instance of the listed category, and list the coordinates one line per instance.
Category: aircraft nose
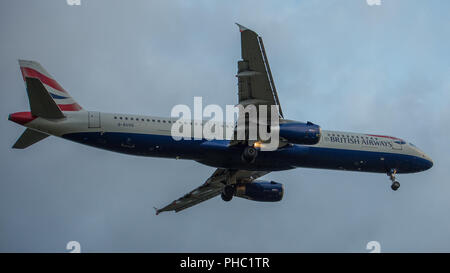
(426, 162)
(429, 162)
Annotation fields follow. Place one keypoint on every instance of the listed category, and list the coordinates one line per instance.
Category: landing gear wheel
(226, 198)
(249, 154)
(227, 193)
(395, 186)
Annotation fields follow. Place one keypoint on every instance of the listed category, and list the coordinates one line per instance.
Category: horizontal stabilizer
(28, 138)
(41, 103)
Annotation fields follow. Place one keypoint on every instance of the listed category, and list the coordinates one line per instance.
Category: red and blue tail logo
(65, 102)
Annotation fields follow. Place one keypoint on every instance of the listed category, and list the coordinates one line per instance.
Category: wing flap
(200, 194)
(211, 188)
(255, 81)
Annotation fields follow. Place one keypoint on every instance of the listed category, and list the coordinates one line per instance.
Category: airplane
(239, 163)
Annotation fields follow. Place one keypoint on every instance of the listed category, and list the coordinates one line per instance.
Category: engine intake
(300, 133)
(263, 191)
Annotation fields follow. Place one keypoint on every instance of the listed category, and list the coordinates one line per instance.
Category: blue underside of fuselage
(216, 153)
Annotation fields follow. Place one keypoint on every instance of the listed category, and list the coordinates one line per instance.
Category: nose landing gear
(395, 184)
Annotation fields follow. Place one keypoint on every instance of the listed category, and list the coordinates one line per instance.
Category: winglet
(241, 27)
(157, 210)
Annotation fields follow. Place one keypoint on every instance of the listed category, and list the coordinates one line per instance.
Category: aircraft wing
(255, 80)
(211, 188)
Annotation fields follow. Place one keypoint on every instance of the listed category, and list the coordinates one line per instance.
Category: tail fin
(41, 102)
(38, 82)
(28, 138)
(47, 100)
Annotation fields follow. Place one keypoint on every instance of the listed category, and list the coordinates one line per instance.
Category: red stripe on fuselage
(31, 73)
(386, 137)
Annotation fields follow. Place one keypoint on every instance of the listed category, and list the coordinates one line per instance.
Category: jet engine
(300, 133)
(263, 191)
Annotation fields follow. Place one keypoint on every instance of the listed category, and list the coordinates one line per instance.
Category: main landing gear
(395, 184)
(249, 154)
(227, 193)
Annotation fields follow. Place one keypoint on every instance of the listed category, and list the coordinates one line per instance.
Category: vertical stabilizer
(33, 70)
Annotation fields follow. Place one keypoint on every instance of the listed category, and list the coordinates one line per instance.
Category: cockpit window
(412, 144)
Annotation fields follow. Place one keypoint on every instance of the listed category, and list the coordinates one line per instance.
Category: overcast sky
(344, 65)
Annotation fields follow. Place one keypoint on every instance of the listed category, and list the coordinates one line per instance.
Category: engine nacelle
(263, 191)
(300, 133)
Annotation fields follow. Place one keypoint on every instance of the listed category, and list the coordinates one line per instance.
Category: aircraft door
(94, 119)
